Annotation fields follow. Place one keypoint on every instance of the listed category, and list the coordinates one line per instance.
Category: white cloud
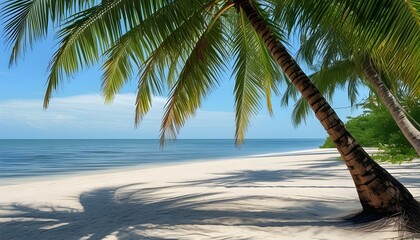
(86, 116)
(83, 114)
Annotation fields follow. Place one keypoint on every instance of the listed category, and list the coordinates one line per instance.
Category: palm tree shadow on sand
(127, 215)
(136, 212)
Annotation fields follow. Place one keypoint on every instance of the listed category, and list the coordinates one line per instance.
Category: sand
(302, 195)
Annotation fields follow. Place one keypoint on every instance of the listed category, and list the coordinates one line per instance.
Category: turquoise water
(30, 158)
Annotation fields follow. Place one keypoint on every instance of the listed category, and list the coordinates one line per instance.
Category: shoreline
(297, 196)
(144, 166)
(37, 158)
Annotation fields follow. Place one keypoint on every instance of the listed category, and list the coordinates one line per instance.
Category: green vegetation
(341, 62)
(376, 128)
(182, 47)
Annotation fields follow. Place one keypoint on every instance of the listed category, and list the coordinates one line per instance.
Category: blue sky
(78, 111)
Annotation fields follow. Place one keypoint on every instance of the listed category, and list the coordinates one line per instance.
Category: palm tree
(345, 56)
(351, 72)
(411, 133)
(184, 46)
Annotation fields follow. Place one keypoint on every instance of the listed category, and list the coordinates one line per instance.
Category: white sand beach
(302, 195)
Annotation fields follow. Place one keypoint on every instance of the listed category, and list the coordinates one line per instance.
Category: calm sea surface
(30, 158)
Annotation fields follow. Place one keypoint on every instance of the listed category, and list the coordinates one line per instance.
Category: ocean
(33, 158)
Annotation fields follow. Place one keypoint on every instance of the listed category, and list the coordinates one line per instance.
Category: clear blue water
(30, 158)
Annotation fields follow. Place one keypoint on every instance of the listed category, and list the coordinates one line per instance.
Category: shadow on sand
(252, 178)
(107, 211)
(135, 212)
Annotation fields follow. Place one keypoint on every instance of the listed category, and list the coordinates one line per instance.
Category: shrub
(376, 128)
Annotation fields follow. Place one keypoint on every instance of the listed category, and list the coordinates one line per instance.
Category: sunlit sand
(301, 195)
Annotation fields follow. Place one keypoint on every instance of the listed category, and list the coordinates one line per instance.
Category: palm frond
(388, 31)
(249, 76)
(414, 7)
(290, 93)
(133, 48)
(200, 73)
(164, 61)
(272, 75)
(337, 75)
(300, 112)
(118, 67)
(30, 20)
(91, 33)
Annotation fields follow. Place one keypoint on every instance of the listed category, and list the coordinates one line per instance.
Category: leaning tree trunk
(378, 191)
(392, 104)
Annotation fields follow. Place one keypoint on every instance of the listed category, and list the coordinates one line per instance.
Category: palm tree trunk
(392, 104)
(378, 191)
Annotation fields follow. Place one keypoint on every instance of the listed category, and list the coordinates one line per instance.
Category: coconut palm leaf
(199, 75)
(248, 73)
(334, 45)
(388, 31)
(187, 55)
(135, 47)
(155, 70)
(89, 34)
(29, 20)
(338, 75)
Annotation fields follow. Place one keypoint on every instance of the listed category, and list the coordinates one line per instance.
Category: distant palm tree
(184, 46)
(348, 58)
(411, 133)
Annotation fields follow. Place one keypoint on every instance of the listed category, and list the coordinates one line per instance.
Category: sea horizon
(23, 158)
(158, 138)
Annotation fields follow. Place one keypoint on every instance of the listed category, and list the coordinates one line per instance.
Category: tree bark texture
(391, 103)
(378, 191)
